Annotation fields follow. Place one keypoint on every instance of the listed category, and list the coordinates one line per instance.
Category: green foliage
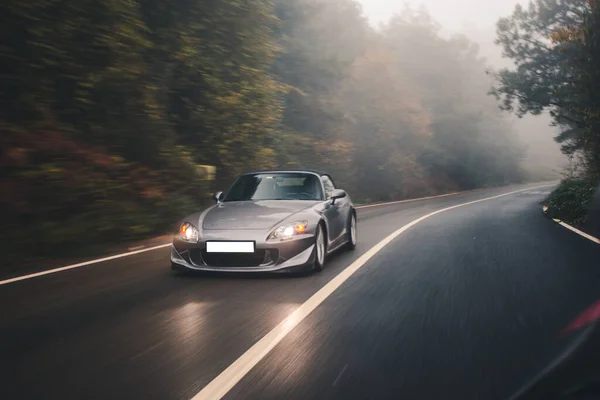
(471, 144)
(403, 112)
(555, 47)
(544, 71)
(570, 200)
(587, 85)
(108, 107)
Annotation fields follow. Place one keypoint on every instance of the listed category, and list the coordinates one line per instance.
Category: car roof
(270, 171)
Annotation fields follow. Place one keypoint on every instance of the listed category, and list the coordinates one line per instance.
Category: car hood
(252, 214)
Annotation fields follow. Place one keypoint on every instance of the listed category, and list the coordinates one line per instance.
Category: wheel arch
(323, 224)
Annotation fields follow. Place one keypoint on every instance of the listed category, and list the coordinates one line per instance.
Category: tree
(387, 126)
(471, 145)
(106, 108)
(319, 42)
(585, 42)
(214, 59)
(544, 43)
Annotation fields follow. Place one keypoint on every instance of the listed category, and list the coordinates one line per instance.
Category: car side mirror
(337, 194)
(218, 196)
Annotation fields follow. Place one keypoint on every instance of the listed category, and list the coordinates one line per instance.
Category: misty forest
(109, 108)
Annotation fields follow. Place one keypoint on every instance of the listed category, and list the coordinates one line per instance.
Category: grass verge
(569, 202)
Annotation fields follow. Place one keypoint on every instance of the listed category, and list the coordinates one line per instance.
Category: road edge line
(544, 184)
(79, 265)
(408, 200)
(131, 253)
(572, 228)
(222, 384)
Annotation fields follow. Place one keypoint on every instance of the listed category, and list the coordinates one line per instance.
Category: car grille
(234, 260)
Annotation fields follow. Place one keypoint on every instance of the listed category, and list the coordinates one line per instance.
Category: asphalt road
(464, 305)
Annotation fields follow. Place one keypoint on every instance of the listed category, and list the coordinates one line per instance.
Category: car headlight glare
(188, 232)
(286, 232)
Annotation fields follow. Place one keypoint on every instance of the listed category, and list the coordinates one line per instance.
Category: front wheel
(352, 233)
(320, 249)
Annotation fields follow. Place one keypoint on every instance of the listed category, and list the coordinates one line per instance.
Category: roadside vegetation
(556, 48)
(570, 200)
(109, 108)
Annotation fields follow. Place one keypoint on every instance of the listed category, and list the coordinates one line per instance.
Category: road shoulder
(572, 228)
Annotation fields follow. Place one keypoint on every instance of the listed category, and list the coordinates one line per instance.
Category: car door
(336, 213)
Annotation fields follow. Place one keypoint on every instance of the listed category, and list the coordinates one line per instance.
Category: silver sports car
(268, 221)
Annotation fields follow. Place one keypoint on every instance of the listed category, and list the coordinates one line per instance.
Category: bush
(569, 202)
(62, 197)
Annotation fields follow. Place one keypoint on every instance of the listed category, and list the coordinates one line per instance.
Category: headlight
(188, 232)
(286, 232)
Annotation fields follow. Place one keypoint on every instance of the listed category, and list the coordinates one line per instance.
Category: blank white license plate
(230, 247)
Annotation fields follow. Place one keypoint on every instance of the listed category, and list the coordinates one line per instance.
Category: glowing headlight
(286, 232)
(188, 232)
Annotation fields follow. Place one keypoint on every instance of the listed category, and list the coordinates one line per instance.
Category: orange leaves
(46, 156)
(567, 34)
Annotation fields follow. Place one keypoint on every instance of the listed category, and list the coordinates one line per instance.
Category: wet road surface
(466, 304)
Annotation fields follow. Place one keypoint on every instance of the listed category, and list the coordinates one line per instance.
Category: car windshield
(276, 186)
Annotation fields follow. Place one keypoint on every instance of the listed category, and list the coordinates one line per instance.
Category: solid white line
(83, 264)
(409, 200)
(572, 228)
(131, 253)
(227, 379)
(577, 231)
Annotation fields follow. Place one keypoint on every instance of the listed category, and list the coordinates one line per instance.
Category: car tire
(352, 232)
(320, 249)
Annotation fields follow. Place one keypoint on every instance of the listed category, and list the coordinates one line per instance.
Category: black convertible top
(268, 171)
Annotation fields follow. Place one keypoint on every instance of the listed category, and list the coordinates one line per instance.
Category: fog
(116, 116)
(452, 15)
(477, 20)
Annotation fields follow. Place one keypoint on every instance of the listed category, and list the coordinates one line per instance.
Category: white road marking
(83, 264)
(572, 228)
(577, 231)
(227, 379)
(409, 200)
(136, 251)
(131, 253)
(537, 192)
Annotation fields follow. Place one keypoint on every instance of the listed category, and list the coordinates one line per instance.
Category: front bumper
(270, 256)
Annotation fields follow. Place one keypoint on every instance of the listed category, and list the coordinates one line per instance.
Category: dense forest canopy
(107, 109)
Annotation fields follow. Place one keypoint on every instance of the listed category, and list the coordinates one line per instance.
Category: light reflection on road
(188, 320)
